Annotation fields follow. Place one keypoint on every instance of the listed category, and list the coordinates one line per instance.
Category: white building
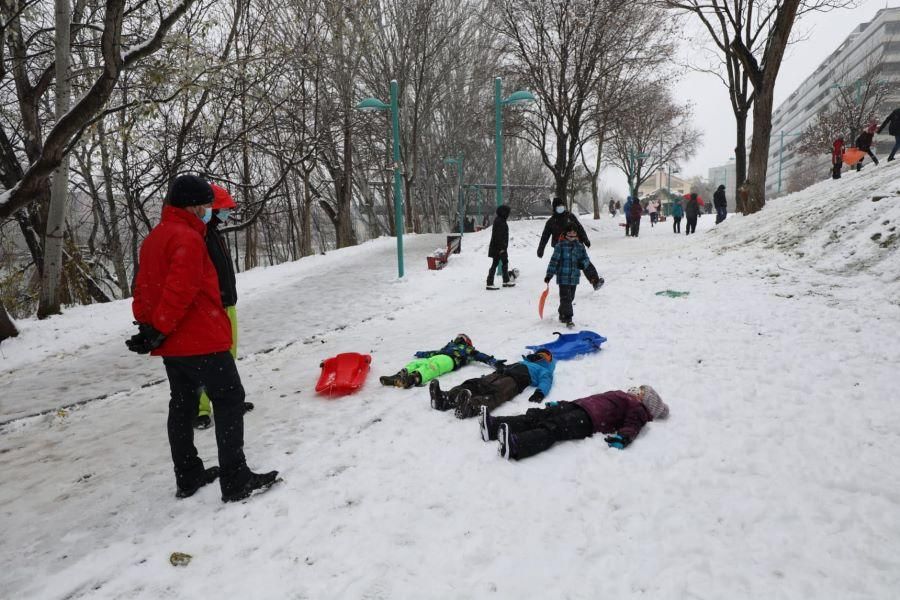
(875, 42)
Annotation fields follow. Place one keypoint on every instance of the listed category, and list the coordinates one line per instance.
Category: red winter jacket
(616, 411)
(837, 151)
(177, 288)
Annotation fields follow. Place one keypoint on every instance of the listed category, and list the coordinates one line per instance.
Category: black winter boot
(209, 475)
(439, 400)
(258, 482)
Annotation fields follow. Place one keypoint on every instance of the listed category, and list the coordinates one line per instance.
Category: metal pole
(478, 197)
(459, 192)
(398, 188)
(780, 159)
(498, 138)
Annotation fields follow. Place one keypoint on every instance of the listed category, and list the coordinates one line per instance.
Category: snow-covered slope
(774, 477)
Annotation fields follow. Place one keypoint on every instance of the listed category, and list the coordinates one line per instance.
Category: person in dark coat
(619, 414)
(178, 307)
(223, 204)
(494, 389)
(720, 203)
(554, 230)
(864, 143)
(635, 212)
(569, 258)
(892, 122)
(498, 248)
(627, 210)
(612, 209)
(691, 212)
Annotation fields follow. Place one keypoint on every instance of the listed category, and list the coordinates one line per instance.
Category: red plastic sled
(852, 156)
(543, 300)
(343, 374)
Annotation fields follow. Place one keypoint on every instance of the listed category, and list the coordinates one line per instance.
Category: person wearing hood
(178, 307)
(691, 212)
(892, 122)
(720, 203)
(677, 214)
(569, 258)
(864, 143)
(619, 414)
(222, 206)
(555, 230)
(498, 248)
(635, 211)
(494, 389)
(627, 210)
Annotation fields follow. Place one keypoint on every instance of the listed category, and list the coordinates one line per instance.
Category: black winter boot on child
(506, 442)
(401, 380)
(487, 425)
(439, 400)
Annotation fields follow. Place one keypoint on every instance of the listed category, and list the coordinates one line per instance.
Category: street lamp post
(458, 161)
(499, 103)
(374, 104)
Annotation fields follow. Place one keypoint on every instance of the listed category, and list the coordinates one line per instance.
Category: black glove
(499, 363)
(587, 243)
(146, 339)
(617, 440)
(537, 396)
(541, 253)
(548, 278)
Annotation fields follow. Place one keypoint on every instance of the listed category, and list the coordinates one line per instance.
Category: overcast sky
(822, 33)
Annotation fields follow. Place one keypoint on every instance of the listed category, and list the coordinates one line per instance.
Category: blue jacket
(541, 373)
(627, 207)
(460, 353)
(569, 258)
(677, 210)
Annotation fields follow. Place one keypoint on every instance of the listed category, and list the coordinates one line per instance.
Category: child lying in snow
(493, 390)
(434, 363)
(621, 414)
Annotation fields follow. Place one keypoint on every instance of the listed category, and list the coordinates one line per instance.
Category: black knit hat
(558, 202)
(190, 190)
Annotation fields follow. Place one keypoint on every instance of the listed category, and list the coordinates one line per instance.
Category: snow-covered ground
(774, 477)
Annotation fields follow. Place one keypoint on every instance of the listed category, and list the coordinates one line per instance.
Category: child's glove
(617, 441)
(145, 340)
(422, 354)
(540, 254)
(548, 278)
(499, 363)
(537, 396)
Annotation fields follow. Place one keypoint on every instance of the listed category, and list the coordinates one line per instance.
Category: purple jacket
(616, 411)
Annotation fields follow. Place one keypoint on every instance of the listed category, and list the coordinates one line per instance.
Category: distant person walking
(892, 122)
(837, 158)
(677, 213)
(627, 208)
(721, 204)
(636, 211)
(864, 143)
(178, 306)
(652, 209)
(498, 249)
(612, 209)
(691, 211)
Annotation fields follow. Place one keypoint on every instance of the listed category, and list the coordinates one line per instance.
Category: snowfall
(774, 477)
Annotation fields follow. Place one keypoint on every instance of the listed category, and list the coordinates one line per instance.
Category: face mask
(224, 214)
(207, 215)
(560, 210)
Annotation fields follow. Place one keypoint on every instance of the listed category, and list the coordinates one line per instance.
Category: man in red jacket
(180, 317)
(620, 414)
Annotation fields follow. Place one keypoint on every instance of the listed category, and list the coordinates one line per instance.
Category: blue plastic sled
(570, 345)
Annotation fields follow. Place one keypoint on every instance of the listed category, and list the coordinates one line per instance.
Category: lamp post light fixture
(458, 161)
(374, 104)
(499, 102)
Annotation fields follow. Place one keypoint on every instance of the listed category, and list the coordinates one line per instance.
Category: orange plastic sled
(543, 300)
(343, 374)
(852, 156)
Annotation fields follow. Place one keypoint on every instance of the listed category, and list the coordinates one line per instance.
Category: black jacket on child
(221, 260)
(499, 233)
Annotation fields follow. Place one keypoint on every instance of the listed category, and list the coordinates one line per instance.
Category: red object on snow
(699, 199)
(543, 301)
(343, 374)
(852, 156)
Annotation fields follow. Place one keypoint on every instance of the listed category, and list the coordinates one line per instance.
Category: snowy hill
(774, 477)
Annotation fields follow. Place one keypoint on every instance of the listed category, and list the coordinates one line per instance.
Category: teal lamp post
(374, 104)
(458, 161)
(499, 103)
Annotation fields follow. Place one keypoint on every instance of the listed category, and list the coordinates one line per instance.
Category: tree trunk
(759, 150)
(740, 157)
(113, 236)
(7, 327)
(56, 218)
(344, 217)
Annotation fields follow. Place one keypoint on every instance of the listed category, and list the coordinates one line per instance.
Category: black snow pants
(676, 224)
(218, 374)
(635, 227)
(503, 261)
(492, 390)
(566, 297)
(540, 428)
(691, 226)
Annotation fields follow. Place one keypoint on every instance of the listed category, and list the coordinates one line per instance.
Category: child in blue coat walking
(494, 389)
(569, 258)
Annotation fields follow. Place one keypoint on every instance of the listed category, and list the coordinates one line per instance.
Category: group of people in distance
(620, 415)
(864, 142)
